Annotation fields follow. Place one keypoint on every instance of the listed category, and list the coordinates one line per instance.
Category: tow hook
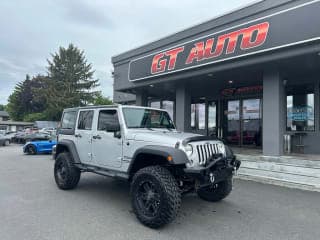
(212, 178)
(237, 164)
(235, 172)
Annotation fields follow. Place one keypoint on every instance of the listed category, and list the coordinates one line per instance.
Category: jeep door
(83, 134)
(106, 139)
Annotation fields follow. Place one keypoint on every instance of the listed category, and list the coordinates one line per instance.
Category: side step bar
(102, 171)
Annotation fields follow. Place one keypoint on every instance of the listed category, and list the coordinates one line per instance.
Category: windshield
(147, 118)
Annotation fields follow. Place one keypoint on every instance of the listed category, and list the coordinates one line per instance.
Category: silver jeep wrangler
(141, 145)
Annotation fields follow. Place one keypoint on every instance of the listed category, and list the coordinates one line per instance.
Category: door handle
(96, 137)
(78, 135)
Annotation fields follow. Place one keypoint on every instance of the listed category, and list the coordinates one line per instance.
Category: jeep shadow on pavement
(141, 145)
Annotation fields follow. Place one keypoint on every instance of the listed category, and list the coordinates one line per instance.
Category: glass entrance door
(232, 128)
(251, 128)
(243, 122)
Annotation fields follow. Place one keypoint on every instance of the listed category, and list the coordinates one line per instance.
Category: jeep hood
(164, 137)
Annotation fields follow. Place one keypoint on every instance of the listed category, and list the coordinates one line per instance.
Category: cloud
(86, 14)
(7, 64)
(31, 30)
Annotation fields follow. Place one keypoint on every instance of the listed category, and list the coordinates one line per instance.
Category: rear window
(68, 120)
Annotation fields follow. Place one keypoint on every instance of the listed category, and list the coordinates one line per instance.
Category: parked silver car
(4, 140)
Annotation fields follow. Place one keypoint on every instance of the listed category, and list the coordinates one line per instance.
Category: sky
(33, 30)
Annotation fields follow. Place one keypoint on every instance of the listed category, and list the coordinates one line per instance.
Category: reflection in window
(198, 116)
(85, 120)
(168, 106)
(233, 111)
(155, 104)
(212, 118)
(251, 109)
(68, 120)
(107, 118)
(146, 118)
(233, 122)
(193, 115)
(165, 104)
(300, 110)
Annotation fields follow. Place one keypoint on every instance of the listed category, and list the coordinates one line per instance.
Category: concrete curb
(277, 182)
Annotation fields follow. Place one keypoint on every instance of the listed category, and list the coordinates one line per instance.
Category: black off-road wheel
(216, 192)
(31, 150)
(155, 196)
(66, 175)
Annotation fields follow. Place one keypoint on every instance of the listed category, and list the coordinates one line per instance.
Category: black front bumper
(216, 171)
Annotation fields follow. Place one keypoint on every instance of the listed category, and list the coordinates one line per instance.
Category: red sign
(228, 92)
(249, 37)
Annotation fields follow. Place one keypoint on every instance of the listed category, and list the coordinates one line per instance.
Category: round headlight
(188, 149)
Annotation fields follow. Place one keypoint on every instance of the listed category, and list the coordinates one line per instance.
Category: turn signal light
(169, 158)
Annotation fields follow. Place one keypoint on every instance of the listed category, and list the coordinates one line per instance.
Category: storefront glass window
(168, 106)
(300, 110)
(155, 104)
(193, 115)
(212, 117)
(164, 104)
(198, 116)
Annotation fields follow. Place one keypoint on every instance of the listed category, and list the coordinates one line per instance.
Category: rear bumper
(214, 173)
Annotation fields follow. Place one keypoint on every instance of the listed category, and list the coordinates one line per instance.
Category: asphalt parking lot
(32, 207)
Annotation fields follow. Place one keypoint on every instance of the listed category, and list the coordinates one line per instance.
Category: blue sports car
(35, 147)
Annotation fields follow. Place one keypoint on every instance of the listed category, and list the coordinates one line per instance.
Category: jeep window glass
(85, 120)
(147, 118)
(68, 120)
(107, 118)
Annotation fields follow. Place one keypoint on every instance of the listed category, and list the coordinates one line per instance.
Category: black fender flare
(179, 157)
(69, 144)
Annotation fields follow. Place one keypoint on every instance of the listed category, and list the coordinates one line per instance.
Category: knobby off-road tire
(155, 196)
(31, 150)
(216, 193)
(66, 175)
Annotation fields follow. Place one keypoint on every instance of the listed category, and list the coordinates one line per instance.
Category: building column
(316, 104)
(274, 112)
(183, 109)
(142, 98)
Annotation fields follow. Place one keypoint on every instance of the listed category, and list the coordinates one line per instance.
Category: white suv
(141, 145)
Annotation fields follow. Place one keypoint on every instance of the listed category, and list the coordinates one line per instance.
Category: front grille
(205, 152)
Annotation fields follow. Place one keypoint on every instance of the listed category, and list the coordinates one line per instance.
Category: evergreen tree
(19, 100)
(101, 100)
(71, 81)
(27, 98)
